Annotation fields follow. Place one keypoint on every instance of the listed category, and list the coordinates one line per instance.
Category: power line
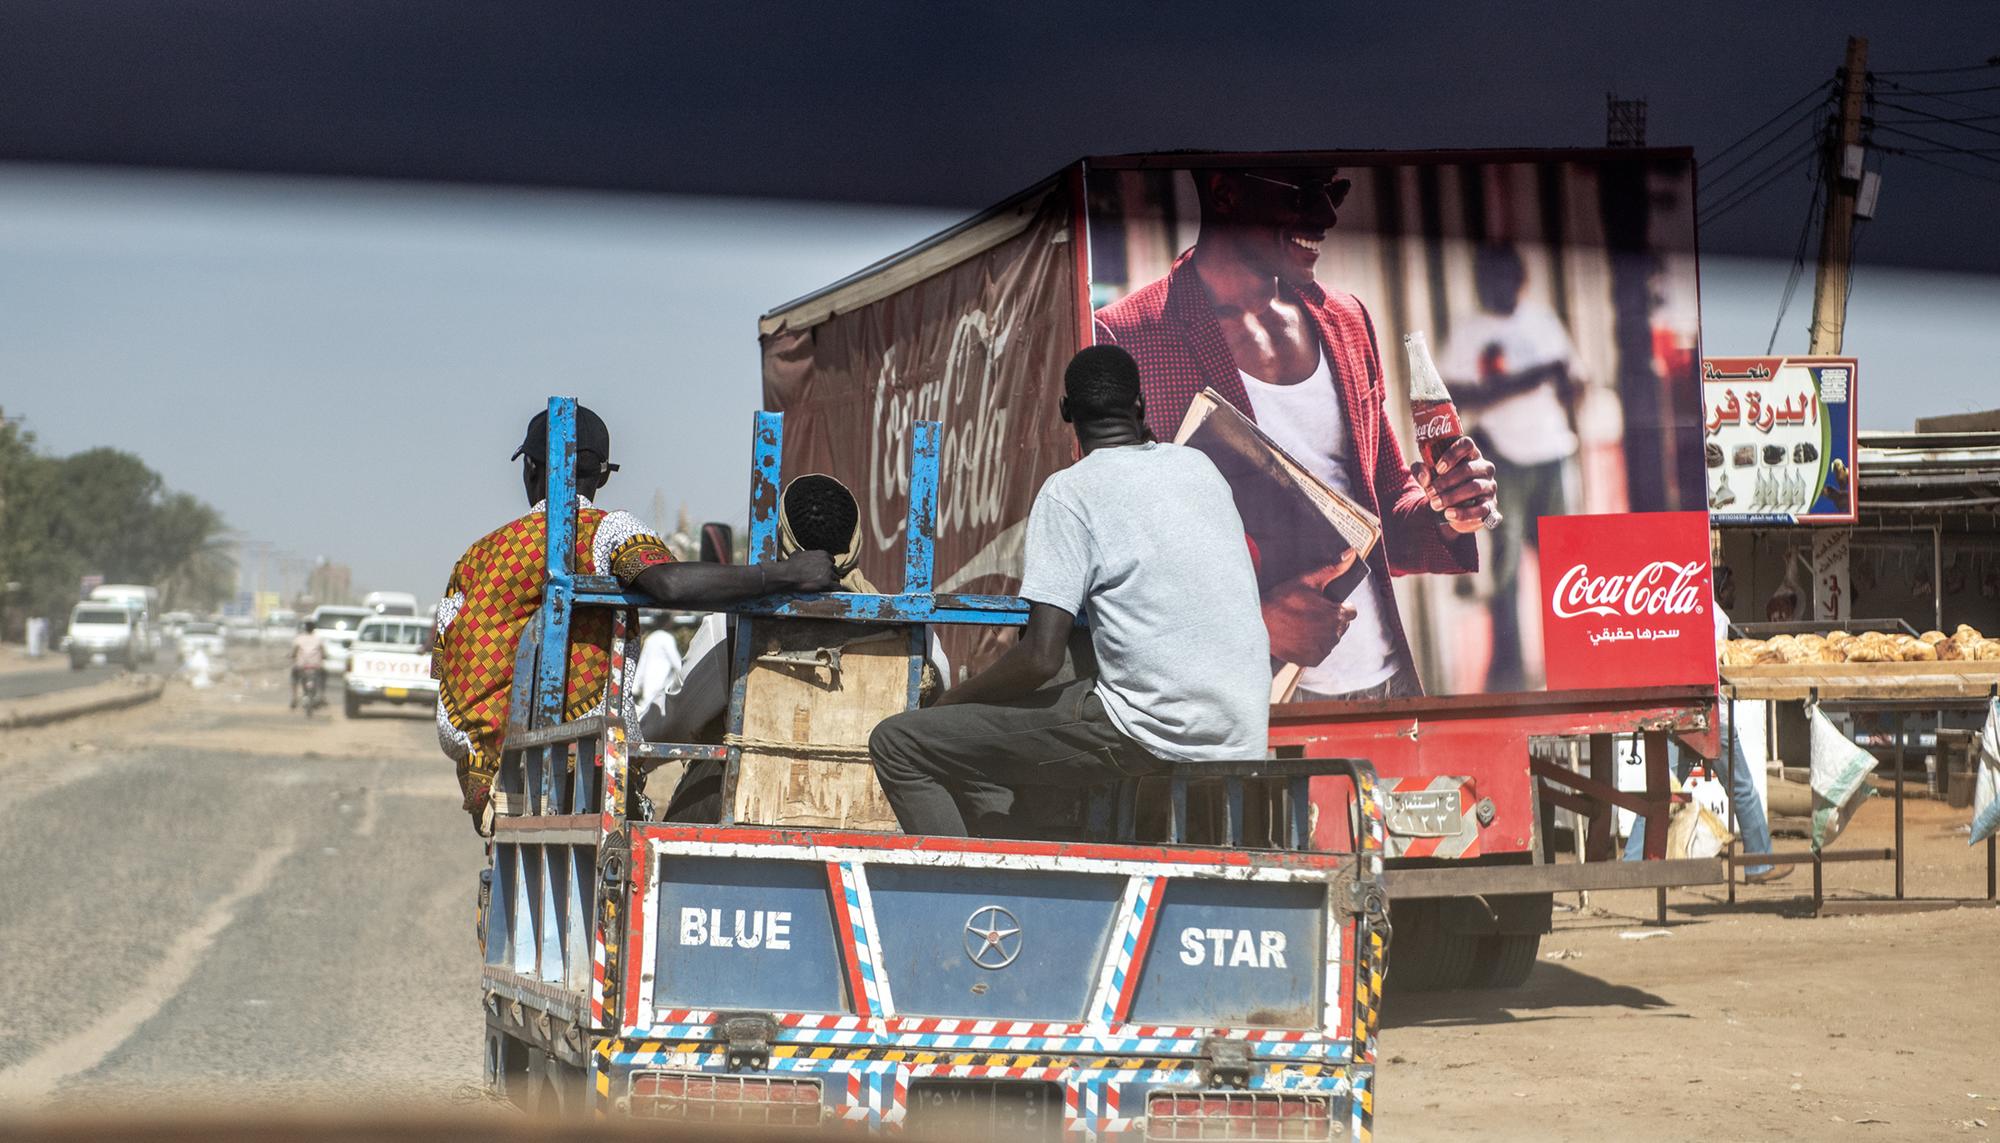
(1994, 62)
(1821, 90)
(1926, 117)
(1712, 180)
(1958, 103)
(1940, 143)
(1980, 175)
(1948, 90)
(1798, 261)
(1757, 183)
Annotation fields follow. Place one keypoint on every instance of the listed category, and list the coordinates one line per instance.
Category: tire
(1505, 960)
(1426, 955)
(351, 706)
(1456, 955)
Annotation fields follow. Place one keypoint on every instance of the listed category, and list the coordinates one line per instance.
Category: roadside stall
(1885, 624)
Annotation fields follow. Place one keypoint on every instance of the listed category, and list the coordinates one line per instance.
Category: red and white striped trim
(1465, 843)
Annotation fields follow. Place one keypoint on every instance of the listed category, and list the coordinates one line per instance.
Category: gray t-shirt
(1147, 538)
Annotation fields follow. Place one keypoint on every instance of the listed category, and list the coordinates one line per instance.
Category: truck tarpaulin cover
(1557, 294)
(973, 331)
(1556, 289)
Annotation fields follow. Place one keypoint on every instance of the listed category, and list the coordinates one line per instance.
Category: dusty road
(47, 676)
(209, 899)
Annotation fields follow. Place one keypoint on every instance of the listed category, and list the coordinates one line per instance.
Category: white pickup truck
(390, 661)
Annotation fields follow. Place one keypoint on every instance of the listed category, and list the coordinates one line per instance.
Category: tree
(102, 512)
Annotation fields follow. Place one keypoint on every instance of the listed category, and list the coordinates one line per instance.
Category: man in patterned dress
(496, 589)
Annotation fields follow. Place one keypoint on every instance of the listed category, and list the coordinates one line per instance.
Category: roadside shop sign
(1779, 439)
(1627, 600)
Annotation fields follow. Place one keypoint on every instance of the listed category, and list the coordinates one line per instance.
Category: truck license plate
(396, 692)
(1425, 813)
(985, 1109)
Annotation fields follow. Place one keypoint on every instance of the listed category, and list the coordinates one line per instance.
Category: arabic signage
(1780, 439)
(1628, 600)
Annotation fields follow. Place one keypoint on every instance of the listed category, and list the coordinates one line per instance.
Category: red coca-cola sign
(1627, 600)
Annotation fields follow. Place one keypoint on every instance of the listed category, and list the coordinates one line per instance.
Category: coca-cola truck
(1558, 290)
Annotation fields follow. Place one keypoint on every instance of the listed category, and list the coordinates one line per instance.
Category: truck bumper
(375, 690)
(1032, 1096)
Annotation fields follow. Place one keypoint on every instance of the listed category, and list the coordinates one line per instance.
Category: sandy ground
(1754, 1021)
(1749, 1022)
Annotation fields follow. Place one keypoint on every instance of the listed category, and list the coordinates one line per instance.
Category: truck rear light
(743, 1100)
(1228, 1116)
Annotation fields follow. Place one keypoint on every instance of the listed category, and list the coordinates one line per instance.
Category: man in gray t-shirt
(1144, 538)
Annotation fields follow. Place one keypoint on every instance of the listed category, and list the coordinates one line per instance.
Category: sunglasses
(1307, 193)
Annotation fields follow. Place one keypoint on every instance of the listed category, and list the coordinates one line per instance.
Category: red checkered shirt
(1169, 328)
(495, 590)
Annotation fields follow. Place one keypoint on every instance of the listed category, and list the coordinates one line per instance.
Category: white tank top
(1306, 421)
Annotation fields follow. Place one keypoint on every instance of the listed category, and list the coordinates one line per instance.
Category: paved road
(47, 680)
(220, 899)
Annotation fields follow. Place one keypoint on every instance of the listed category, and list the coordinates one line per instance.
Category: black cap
(591, 437)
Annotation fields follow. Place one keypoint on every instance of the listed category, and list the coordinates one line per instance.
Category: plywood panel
(806, 724)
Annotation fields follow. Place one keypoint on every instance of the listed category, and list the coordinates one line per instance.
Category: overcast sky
(343, 368)
(343, 365)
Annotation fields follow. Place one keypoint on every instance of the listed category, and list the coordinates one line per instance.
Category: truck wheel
(1505, 960)
(351, 706)
(1457, 956)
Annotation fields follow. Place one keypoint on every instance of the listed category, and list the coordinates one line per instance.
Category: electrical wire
(1824, 90)
(1712, 180)
(1980, 175)
(1798, 261)
(1757, 183)
(1943, 120)
(1958, 103)
(1939, 143)
(1948, 90)
(1933, 117)
(1994, 62)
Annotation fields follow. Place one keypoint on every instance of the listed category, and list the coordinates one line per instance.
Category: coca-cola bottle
(1436, 417)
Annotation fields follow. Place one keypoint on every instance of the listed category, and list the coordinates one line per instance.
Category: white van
(107, 630)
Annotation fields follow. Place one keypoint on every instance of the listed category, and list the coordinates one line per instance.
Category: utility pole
(1843, 180)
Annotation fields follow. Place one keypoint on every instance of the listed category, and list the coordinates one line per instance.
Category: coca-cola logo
(1441, 425)
(1662, 587)
(974, 453)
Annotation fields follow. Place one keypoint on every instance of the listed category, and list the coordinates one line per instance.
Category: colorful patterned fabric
(495, 590)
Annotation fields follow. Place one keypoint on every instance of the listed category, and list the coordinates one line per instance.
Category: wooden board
(806, 706)
(1950, 679)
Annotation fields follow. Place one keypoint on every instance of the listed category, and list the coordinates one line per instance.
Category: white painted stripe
(38, 1076)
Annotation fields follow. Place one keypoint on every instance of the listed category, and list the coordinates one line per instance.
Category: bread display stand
(1898, 690)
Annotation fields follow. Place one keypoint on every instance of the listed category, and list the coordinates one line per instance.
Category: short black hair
(1101, 381)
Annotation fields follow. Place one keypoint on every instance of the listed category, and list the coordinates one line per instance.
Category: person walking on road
(496, 589)
(1144, 538)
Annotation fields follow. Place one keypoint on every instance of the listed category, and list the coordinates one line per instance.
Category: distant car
(174, 622)
(104, 631)
(143, 599)
(200, 635)
(336, 626)
(390, 602)
(390, 662)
